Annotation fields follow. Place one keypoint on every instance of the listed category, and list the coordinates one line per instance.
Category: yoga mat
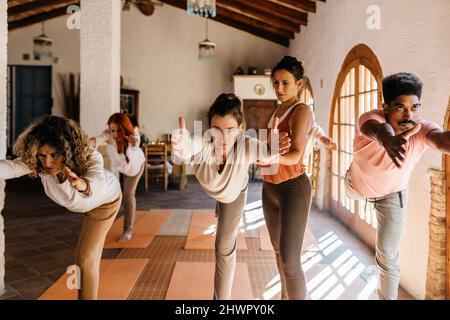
(117, 279)
(309, 241)
(195, 281)
(201, 235)
(146, 227)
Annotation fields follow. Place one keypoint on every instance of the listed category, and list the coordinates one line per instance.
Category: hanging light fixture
(206, 48)
(203, 8)
(42, 46)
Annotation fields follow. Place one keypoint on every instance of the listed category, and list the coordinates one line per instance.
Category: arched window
(358, 90)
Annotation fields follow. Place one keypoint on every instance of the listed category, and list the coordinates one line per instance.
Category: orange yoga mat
(146, 227)
(201, 235)
(117, 279)
(309, 241)
(195, 281)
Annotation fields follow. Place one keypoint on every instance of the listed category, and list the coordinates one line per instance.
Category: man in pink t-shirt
(387, 147)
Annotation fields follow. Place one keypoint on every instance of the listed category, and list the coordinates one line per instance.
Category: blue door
(31, 96)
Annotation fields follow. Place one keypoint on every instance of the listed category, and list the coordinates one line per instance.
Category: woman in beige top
(221, 166)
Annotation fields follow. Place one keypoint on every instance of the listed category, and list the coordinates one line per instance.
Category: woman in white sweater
(56, 150)
(122, 144)
(221, 166)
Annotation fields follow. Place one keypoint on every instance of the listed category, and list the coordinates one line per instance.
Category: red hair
(126, 129)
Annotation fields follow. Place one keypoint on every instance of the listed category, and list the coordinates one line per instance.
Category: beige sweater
(226, 186)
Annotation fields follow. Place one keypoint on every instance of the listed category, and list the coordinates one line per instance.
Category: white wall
(66, 47)
(414, 37)
(160, 58)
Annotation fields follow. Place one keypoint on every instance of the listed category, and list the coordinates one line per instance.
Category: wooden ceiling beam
(37, 5)
(253, 30)
(280, 11)
(37, 18)
(244, 9)
(255, 23)
(230, 21)
(300, 5)
(255, 18)
(12, 3)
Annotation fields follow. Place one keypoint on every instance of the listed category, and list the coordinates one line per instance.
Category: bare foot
(126, 236)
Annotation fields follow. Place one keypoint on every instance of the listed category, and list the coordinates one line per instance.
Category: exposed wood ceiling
(22, 13)
(274, 20)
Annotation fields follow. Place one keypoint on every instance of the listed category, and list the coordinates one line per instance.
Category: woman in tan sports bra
(287, 192)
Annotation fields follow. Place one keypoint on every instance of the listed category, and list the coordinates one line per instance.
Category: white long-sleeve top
(104, 186)
(135, 154)
(315, 134)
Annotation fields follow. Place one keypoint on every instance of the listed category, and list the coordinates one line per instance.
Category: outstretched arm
(439, 140)
(99, 140)
(10, 169)
(320, 134)
(328, 143)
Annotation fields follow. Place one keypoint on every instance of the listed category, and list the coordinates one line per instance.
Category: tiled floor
(41, 239)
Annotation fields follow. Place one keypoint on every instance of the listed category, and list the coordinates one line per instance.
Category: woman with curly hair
(56, 150)
(122, 144)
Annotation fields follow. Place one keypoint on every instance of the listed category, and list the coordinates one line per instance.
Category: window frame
(361, 54)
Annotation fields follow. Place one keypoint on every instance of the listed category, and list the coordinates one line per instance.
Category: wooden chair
(156, 156)
(178, 176)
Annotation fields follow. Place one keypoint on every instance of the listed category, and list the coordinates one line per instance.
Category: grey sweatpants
(286, 209)
(229, 215)
(129, 199)
(391, 217)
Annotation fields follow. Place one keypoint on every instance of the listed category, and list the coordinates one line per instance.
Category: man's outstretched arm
(439, 140)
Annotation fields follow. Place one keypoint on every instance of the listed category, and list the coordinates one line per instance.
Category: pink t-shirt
(372, 172)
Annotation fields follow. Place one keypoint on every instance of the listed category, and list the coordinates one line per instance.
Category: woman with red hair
(122, 144)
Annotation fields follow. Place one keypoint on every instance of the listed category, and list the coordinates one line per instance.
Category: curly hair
(63, 134)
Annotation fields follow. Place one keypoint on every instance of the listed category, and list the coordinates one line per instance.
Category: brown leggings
(129, 199)
(95, 227)
(286, 207)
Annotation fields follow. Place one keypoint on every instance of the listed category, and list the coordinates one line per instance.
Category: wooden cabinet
(259, 99)
(258, 112)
